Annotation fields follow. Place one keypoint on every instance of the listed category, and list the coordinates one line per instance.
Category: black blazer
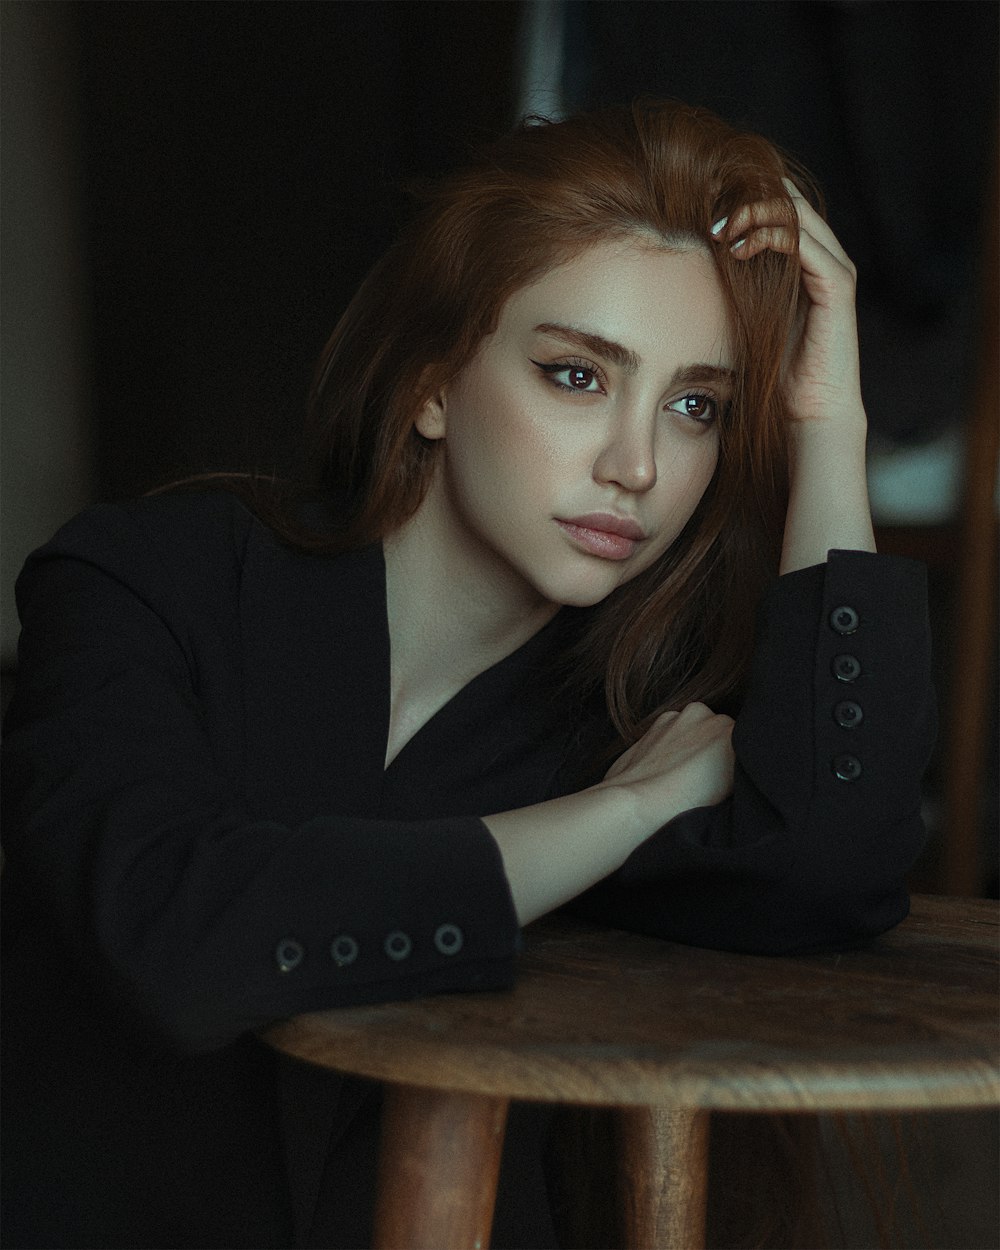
(201, 838)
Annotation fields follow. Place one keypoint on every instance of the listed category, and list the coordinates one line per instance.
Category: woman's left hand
(822, 373)
(828, 491)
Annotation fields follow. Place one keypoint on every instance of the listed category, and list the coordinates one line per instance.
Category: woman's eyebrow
(716, 375)
(705, 375)
(594, 343)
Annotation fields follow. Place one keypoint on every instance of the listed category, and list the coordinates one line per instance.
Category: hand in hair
(828, 499)
(822, 374)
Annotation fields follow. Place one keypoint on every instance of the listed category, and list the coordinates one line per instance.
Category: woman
(338, 747)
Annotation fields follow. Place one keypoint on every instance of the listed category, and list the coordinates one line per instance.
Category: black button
(398, 945)
(289, 954)
(449, 939)
(343, 950)
(847, 767)
(848, 714)
(844, 620)
(846, 667)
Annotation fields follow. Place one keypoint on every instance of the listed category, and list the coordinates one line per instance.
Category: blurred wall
(191, 194)
(46, 471)
(244, 164)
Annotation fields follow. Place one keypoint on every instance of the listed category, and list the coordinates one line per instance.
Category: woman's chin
(584, 592)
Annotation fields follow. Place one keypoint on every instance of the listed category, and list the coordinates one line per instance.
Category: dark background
(242, 165)
(242, 172)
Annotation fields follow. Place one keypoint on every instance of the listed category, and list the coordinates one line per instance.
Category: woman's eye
(697, 407)
(579, 378)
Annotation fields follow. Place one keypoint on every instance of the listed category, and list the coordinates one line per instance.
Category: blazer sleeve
(142, 866)
(812, 849)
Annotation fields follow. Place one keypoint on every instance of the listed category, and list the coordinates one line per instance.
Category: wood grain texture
(662, 1177)
(602, 1017)
(438, 1168)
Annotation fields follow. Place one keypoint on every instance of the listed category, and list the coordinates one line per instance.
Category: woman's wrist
(555, 850)
(849, 424)
(828, 490)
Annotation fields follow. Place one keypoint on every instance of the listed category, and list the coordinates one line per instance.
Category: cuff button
(846, 667)
(449, 939)
(288, 954)
(844, 620)
(848, 714)
(343, 950)
(397, 944)
(847, 767)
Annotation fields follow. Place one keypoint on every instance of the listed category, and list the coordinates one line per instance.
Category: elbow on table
(192, 1025)
(814, 922)
(179, 999)
(186, 1015)
(855, 891)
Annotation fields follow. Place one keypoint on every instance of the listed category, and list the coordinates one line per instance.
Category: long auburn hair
(682, 629)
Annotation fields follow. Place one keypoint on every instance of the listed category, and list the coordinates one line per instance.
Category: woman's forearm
(556, 850)
(828, 498)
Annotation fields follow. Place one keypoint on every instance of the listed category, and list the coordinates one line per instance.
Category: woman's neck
(453, 612)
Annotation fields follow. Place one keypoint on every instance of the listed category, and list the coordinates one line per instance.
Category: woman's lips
(600, 534)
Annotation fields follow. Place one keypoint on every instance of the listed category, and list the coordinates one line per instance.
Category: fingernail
(739, 243)
(719, 226)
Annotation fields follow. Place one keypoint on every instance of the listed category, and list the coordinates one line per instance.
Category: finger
(695, 711)
(666, 717)
(820, 255)
(766, 238)
(749, 217)
(819, 262)
(773, 213)
(663, 722)
(810, 220)
(816, 259)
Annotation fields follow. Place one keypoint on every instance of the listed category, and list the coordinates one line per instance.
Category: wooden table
(666, 1033)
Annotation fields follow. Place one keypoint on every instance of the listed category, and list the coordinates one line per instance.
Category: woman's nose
(628, 458)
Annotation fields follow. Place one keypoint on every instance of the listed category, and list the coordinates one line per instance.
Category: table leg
(662, 1177)
(438, 1168)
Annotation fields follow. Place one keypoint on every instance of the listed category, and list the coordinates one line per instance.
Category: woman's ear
(430, 420)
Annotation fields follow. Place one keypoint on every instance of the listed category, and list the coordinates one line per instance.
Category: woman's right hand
(684, 760)
(555, 850)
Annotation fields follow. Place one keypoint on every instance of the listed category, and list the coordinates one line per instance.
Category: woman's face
(577, 443)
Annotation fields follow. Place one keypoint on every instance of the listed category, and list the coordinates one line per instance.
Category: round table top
(600, 1016)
